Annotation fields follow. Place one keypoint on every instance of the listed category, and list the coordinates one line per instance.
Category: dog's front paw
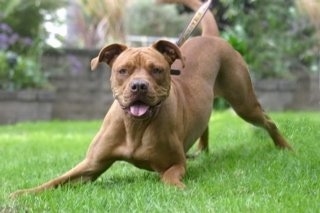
(173, 176)
(16, 194)
(174, 182)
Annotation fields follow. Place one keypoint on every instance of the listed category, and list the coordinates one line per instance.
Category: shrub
(22, 42)
(18, 71)
(273, 37)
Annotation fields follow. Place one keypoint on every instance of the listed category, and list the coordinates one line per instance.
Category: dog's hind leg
(203, 144)
(254, 114)
(234, 84)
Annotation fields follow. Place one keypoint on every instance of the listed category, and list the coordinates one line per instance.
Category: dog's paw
(16, 194)
(180, 185)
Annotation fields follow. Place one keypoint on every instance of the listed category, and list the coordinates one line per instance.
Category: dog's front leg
(100, 157)
(85, 171)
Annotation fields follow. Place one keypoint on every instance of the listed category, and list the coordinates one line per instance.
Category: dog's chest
(145, 154)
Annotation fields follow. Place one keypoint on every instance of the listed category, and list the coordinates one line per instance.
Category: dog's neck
(135, 126)
(135, 130)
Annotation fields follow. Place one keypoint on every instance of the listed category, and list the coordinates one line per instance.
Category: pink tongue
(138, 109)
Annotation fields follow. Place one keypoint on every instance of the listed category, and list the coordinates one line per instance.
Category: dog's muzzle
(139, 106)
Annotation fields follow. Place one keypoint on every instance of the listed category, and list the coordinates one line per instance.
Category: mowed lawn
(243, 171)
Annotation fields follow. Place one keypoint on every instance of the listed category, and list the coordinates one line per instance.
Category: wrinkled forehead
(140, 57)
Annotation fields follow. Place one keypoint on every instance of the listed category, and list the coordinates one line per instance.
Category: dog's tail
(208, 24)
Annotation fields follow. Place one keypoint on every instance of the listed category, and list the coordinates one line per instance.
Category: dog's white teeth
(139, 109)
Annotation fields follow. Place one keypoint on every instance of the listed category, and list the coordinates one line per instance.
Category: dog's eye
(157, 70)
(123, 71)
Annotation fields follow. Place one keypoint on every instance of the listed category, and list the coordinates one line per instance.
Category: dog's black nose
(139, 86)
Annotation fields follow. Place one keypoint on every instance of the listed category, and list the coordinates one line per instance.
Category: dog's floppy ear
(108, 54)
(170, 51)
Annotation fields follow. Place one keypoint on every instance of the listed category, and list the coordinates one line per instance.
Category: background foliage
(145, 18)
(273, 36)
(22, 38)
(93, 23)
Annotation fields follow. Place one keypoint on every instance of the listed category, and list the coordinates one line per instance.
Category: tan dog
(156, 117)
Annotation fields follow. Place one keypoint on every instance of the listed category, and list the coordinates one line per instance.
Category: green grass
(243, 172)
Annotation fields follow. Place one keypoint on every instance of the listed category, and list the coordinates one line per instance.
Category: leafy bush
(22, 42)
(18, 72)
(273, 37)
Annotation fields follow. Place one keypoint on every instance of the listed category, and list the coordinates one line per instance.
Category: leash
(193, 23)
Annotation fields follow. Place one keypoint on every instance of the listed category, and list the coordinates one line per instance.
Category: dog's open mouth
(140, 109)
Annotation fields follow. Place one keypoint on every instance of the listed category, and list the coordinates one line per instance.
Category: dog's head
(140, 77)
